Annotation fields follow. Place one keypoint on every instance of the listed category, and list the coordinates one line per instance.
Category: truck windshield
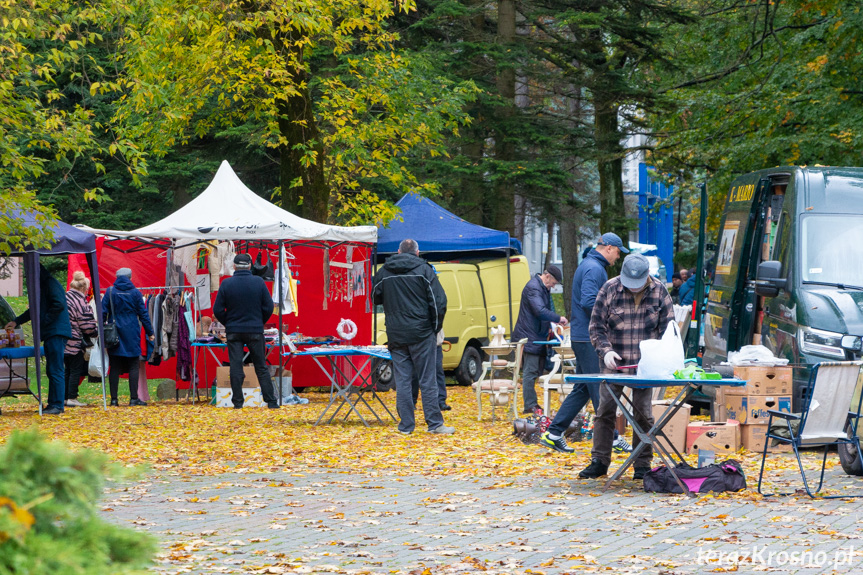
(832, 249)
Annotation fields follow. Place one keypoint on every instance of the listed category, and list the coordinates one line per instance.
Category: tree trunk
(504, 192)
(297, 126)
(569, 245)
(612, 217)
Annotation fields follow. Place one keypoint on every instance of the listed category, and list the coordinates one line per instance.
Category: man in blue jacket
(535, 315)
(590, 275)
(54, 330)
(244, 305)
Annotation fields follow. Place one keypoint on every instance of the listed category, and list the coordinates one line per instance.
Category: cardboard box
(713, 436)
(675, 429)
(223, 377)
(762, 380)
(251, 397)
(752, 409)
(753, 436)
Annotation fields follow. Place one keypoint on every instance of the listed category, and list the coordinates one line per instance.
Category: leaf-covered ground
(201, 439)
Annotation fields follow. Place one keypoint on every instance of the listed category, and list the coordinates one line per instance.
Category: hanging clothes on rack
(184, 345)
(289, 300)
(202, 276)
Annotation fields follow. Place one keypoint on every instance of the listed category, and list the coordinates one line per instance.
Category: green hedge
(49, 521)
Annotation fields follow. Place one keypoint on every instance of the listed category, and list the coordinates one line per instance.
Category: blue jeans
(420, 358)
(586, 362)
(55, 369)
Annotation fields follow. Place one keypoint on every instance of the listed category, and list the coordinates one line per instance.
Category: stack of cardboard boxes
(766, 388)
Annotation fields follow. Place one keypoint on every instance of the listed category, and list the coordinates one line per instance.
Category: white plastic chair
(501, 391)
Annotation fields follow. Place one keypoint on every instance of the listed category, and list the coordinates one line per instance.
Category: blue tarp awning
(438, 231)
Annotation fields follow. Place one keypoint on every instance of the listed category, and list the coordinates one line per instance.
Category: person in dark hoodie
(590, 275)
(415, 305)
(244, 305)
(54, 330)
(123, 304)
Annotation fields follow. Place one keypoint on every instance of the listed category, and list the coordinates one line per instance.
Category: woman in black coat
(123, 304)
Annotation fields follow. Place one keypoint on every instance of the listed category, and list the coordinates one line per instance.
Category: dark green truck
(788, 268)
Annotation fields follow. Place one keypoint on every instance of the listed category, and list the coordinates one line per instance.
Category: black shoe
(273, 405)
(558, 444)
(594, 470)
(134, 402)
(640, 472)
(114, 403)
(238, 406)
(52, 411)
(445, 407)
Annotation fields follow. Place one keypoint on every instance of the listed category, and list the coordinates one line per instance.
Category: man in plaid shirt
(629, 309)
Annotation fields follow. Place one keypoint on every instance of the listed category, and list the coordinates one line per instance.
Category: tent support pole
(282, 262)
(31, 269)
(372, 283)
(97, 296)
(509, 290)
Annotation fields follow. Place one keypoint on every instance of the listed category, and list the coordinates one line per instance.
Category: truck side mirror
(768, 280)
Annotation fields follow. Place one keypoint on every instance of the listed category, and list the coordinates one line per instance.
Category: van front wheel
(468, 370)
(849, 458)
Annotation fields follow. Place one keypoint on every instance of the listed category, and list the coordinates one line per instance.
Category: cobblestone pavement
(345, 523)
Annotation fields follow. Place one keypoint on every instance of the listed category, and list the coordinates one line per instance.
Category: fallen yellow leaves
(186, 439)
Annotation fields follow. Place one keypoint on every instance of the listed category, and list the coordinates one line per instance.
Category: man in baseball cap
(613, 240)
(244, 305)
(629, 309)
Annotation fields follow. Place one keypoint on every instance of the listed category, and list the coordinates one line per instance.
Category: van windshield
(832, 249)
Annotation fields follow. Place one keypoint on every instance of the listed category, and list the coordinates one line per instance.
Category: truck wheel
(384, 369)
(850, 459)
(470, 367)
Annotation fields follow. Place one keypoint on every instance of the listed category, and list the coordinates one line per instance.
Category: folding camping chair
(826, 419)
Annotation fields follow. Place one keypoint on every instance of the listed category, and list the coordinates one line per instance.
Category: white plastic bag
(660, 358)
(95, 367)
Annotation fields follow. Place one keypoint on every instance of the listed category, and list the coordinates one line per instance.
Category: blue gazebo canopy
(438, 231)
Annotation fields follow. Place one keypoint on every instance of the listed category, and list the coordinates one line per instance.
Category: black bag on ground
(724, 476)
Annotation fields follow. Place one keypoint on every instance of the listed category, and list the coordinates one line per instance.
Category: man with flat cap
(629, 309)
(535, 315)
(244, 305)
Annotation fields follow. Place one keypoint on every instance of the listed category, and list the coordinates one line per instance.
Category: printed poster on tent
(358, 279)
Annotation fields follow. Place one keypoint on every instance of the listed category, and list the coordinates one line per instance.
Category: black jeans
(76, 368)
(120, 364)
(257, 354)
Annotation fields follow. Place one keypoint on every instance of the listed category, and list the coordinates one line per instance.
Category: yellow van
(477, 300)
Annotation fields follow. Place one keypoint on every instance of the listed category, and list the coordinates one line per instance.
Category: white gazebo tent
(228, 210)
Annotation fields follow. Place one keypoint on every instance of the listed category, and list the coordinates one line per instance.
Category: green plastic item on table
(694, 372)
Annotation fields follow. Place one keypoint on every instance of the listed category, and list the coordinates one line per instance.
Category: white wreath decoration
(347, 329)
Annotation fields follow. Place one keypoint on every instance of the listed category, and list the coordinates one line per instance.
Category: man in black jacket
(535, 315)
(415, 305)
(244, 305)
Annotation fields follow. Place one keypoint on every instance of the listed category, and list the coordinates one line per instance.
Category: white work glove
(611, 359)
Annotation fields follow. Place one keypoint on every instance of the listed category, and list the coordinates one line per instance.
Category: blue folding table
(690, 386)
(344, 386)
